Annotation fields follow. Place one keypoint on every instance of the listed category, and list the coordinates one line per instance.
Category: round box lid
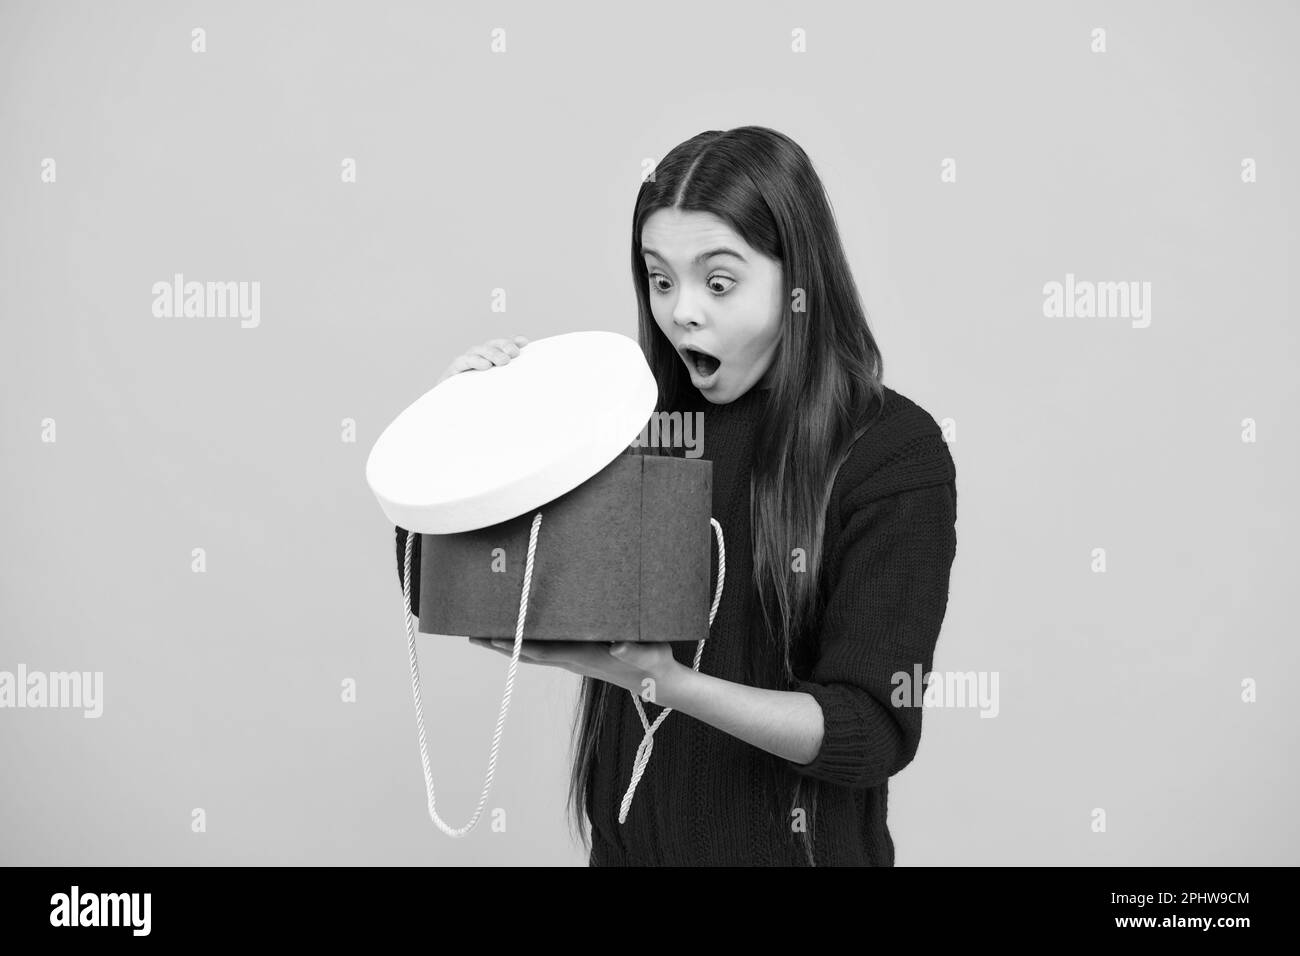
(487, 445)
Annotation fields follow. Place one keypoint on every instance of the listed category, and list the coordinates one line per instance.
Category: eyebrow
(720, 251)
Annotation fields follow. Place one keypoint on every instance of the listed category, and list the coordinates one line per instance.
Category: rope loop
(505, 700)
(644, 749)
(647, 744)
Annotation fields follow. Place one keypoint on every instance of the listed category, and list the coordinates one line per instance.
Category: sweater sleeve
(882, 618)
(415, 569)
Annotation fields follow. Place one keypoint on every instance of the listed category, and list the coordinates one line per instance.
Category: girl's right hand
(493, 352)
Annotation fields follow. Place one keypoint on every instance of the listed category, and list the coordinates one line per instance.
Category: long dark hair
(825, 376)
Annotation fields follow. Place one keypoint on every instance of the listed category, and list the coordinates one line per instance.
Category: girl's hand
(643, 668)
(494, 352)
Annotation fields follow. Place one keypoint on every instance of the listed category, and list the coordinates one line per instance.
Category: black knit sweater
(890, 540)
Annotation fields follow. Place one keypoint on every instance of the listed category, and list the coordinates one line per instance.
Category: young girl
(837, 497)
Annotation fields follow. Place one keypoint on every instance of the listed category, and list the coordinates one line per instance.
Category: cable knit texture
(890, 541)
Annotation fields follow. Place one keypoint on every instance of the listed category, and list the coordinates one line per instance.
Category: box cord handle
(505, 700)
(648, 741)
(643, 751)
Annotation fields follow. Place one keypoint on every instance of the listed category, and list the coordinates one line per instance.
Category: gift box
(537, 520)
(625, 556)
(624, 544)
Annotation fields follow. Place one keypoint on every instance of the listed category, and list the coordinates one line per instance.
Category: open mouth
(705, 365)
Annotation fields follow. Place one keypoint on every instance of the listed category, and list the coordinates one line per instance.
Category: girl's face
(718, 301)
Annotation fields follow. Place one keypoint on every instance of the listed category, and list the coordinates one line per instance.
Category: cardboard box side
(676, 539)
(585, 573)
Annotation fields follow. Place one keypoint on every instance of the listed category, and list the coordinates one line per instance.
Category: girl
(837, 496)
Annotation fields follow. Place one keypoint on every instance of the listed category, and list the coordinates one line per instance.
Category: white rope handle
(647, 744)
(505, 700)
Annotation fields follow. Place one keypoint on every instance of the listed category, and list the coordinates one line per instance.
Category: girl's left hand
(626, 664)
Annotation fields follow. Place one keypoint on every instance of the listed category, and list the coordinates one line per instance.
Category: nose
(685, 314)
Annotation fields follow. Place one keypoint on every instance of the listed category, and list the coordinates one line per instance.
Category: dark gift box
(625, 556)
(538, 521)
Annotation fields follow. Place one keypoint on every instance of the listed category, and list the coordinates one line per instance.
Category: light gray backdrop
(1168, 157)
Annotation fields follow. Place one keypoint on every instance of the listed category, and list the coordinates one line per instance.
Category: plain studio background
(517, 170)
